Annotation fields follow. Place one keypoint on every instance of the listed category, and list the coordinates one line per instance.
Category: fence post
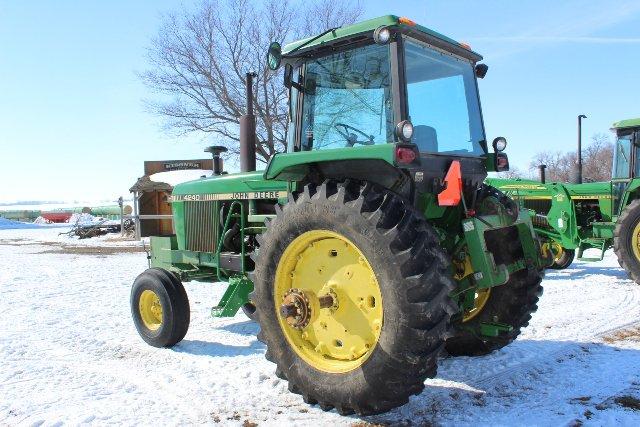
(121, 204)
(136, 214)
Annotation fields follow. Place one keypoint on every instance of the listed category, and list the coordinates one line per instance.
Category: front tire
(626, 240)
(564, 259)
(320, 241)
(160, 307)
(249, 310)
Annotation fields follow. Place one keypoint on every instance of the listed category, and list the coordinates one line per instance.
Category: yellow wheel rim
(479, 301)
(464, 269)
(557, 250)
(150, 310)
(635, 241)
(326, 281)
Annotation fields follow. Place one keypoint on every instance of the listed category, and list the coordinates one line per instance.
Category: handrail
(224, 231)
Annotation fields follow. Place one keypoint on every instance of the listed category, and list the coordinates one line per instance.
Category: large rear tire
(345, 239)
(511, 304)
(626, 240)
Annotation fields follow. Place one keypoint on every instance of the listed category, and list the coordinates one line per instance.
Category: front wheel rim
(328, 301)
(150, 309)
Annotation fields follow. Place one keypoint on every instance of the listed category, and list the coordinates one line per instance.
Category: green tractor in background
(596, 215)
(372, 243)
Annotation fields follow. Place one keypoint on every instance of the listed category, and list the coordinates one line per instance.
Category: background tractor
(372, 243)
(597, 215)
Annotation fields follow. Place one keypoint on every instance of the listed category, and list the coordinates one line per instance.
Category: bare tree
(597, 160)
(199, 60)
(512, 173)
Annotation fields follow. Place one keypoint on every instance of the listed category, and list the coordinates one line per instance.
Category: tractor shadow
(584, 379)
(216, 349)
(248, 327)
(581, 271)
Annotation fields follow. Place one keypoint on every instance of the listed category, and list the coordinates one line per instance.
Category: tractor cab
(626, 162)
(388, 81)
(625, 159)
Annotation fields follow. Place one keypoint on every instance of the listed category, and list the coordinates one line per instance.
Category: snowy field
(69, 353)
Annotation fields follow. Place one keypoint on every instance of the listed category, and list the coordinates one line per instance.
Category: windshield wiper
(289, 54)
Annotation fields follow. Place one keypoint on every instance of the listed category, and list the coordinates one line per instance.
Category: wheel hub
(150, 309)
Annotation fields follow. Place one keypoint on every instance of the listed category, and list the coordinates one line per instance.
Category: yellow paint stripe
(522, 187)
(590, 197)
(250, 195)
(514, 196)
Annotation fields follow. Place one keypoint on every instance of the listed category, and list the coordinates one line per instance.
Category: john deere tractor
(572, 218)
(372, 243)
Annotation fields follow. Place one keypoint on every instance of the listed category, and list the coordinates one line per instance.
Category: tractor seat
(425, 138)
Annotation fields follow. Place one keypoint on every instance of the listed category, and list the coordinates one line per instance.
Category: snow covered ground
(69, 352)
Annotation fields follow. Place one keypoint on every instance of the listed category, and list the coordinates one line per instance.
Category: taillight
(405, 155)
(502, 162)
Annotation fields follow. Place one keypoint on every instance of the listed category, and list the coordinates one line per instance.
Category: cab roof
(628, 123)
(370, 25)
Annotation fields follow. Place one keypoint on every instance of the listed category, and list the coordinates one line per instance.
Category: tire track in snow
(627, 308)
(543, 358)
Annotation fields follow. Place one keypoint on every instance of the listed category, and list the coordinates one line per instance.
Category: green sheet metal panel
(628, 123)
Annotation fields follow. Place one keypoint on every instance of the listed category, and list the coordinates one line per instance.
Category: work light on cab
(499, 144)
(382, 35)
(404, 130)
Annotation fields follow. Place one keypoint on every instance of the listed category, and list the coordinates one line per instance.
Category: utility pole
(579, 178)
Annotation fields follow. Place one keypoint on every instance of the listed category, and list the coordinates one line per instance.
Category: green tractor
(572, 218)
(370, 245)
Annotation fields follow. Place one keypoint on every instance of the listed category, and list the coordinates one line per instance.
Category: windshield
(443, 101)
(622, 156)
(347, 99)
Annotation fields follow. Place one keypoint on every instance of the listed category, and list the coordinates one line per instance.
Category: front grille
(201, 229)
(540, 221)
(541, 206)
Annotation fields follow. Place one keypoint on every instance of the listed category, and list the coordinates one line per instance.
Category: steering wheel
(351, 137)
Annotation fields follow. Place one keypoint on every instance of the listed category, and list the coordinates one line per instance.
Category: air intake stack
(248, 131)
(215, 151)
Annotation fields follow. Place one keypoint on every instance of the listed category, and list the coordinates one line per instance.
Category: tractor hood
(247, 185)
(590, 190)
(535, 189)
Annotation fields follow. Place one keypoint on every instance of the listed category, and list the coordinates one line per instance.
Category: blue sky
(73, 125)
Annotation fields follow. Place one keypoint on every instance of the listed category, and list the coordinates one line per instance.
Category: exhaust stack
(248, 131)
(543, 177)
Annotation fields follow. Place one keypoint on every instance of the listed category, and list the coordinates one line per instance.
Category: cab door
(623, 165)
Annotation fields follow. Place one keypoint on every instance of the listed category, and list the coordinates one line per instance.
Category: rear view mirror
(274, 56)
